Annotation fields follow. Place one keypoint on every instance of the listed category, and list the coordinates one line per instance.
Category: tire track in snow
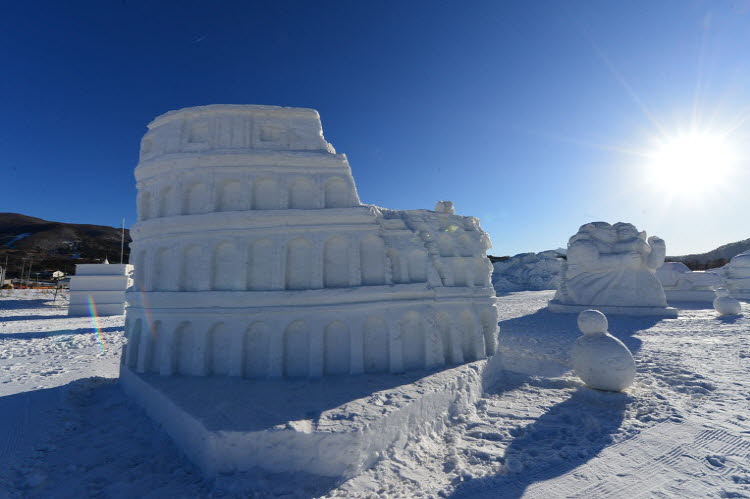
(657, 468)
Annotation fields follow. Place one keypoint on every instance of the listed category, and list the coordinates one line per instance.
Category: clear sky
(536, 117)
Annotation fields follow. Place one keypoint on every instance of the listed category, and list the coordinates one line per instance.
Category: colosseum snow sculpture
(255, 258)
(612, 268)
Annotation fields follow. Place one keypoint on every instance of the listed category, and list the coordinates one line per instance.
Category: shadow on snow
(34, 335)
(568, 435)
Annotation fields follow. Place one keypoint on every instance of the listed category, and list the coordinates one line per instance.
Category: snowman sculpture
(601, 361)
(725, 304)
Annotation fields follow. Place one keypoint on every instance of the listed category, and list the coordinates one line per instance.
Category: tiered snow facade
(99, 288)
(254, 257)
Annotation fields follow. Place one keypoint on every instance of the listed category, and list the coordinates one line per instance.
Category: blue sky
(533, 116)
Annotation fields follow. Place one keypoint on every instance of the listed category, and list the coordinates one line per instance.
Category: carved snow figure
(612, 268)
(725, 304)
(445, 207)
(601, 361)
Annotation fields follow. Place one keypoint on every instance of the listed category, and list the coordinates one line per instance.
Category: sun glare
(695, 163)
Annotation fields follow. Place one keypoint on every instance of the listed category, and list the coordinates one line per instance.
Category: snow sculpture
(725, 304)
(255, 258)
(445, 207)
(682, 284)
(737, 273)
(99, 288)
(528, 271)
(612, 268)
(601, 361)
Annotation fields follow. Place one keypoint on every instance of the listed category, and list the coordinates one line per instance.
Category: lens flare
(95, 321)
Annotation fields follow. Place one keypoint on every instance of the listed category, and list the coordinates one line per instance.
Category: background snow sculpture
(528, 271)
(682, 284)
(612, 268)
(598, 358)
(101, 286)
(255, 258)
(737, 275)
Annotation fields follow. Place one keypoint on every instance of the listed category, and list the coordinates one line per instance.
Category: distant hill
(714, 258)
(56, 245)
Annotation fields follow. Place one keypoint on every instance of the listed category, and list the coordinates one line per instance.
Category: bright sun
(694, 163)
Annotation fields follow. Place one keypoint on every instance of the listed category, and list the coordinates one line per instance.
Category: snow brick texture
(100, 285)
(254, 257)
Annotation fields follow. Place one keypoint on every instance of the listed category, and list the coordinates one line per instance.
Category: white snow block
(104, 309)
(98, 297)
(100, 269)
(99, 288)
(598, 358)
(334, 427)
(99, 282)
(611, 268)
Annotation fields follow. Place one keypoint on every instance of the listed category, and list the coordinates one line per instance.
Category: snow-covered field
(683, 429)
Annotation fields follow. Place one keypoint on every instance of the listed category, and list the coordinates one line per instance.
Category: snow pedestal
(611, 268)
(682, 284)
(99, 288)
(255, 259)
(332, 426)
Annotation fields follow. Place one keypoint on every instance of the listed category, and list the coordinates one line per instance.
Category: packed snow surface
(682, 429)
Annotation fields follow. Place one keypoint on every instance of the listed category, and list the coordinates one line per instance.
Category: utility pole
(23, 265)
(122, 241)
(4, 272)
(28, 272)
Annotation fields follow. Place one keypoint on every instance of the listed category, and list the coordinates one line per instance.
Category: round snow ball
(726, 305)
(592, 322)
(603, 362)
(721, 292)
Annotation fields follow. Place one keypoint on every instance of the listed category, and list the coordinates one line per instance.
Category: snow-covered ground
(683, 429)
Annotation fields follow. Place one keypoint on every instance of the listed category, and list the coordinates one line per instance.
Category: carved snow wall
(254, 257)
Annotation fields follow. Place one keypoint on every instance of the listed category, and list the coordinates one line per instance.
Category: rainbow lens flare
(95, 322)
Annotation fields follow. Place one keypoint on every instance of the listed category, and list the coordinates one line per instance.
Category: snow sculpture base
(670, 312)
(333, 427)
